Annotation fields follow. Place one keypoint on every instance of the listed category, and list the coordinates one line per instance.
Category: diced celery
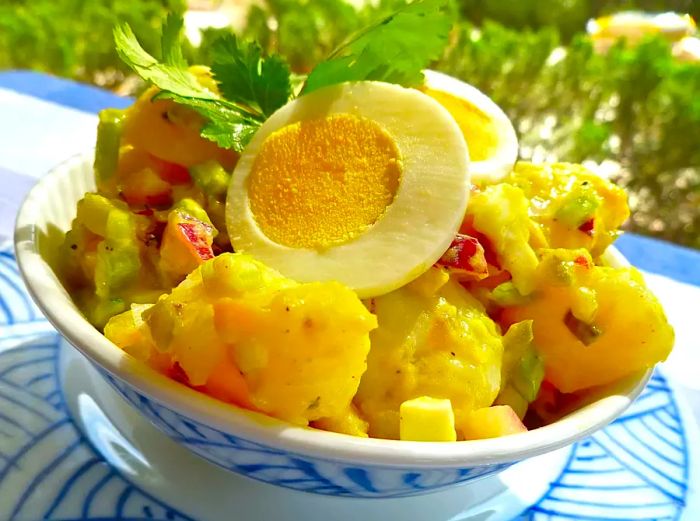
(528, 375)
(578, 206)
(109, 134)
(523, 369)
(511, 397)
(506, 294)
(558, 265)
(93, 210)
(517, 340)
(105, 309)
(160, 321)
(118, 260)
(211, 178)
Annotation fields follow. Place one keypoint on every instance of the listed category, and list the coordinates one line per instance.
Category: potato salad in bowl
(363, 257)
(352, 273)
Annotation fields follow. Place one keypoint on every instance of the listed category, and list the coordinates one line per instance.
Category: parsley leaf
(253, 87)
(396, 49)
(167, 77)
(170, 41)
(245, 76)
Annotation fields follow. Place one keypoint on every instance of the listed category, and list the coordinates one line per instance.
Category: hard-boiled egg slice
(365, 183)
(490, 136)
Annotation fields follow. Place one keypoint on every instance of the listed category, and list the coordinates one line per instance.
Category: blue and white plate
(71, 449)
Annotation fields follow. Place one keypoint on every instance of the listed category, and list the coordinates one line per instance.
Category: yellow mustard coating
(300, 348)
(323, 182)
(441, 345)
(627, 328)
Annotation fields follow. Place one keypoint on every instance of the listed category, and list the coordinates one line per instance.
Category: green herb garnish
(251, 87)
(395, 49)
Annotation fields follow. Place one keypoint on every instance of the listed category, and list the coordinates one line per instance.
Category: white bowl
(251, 443)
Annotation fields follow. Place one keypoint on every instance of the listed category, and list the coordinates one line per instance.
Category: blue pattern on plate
(290, 470)
(635, 469)
(73, 481)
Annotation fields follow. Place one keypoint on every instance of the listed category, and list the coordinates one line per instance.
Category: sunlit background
(620, 93)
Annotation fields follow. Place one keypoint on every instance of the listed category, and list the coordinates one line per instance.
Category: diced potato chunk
(623, 330)
(427, 419)
(242, 332)
(441, 345)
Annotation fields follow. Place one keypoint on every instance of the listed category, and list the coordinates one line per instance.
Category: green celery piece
(93, 211)
(511, 397)
(523, 369)
(506, 295)
(578, 207)
(118, 261)
(109, 135)
(194, 209)
(517, 340)
(105, 309)
(160, 320)
(211, 178)
(528, 375)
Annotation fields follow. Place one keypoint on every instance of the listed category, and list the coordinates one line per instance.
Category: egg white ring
(416, 228)
(501, 164)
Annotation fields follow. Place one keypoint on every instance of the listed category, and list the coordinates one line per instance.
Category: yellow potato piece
(301, 348)
(628, 330)
(501, 213)
(441, 345)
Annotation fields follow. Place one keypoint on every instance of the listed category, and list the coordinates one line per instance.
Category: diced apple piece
(185, 245)
(171, 172)
(491, 422)
(465, 258)
(427, 419)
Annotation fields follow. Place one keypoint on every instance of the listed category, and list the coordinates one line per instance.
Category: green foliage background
(73, 38)
(636, 107)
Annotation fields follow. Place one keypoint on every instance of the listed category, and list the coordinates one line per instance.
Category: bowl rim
(54, 301)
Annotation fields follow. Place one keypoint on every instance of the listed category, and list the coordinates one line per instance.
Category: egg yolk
(479, 130)
(323, 182)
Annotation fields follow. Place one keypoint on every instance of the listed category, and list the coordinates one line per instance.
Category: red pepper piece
(587, 227)
(465, 257)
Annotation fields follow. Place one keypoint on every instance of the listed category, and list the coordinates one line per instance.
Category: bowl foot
(176, 476)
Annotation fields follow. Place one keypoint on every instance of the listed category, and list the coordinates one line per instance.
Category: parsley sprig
(251, 86)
